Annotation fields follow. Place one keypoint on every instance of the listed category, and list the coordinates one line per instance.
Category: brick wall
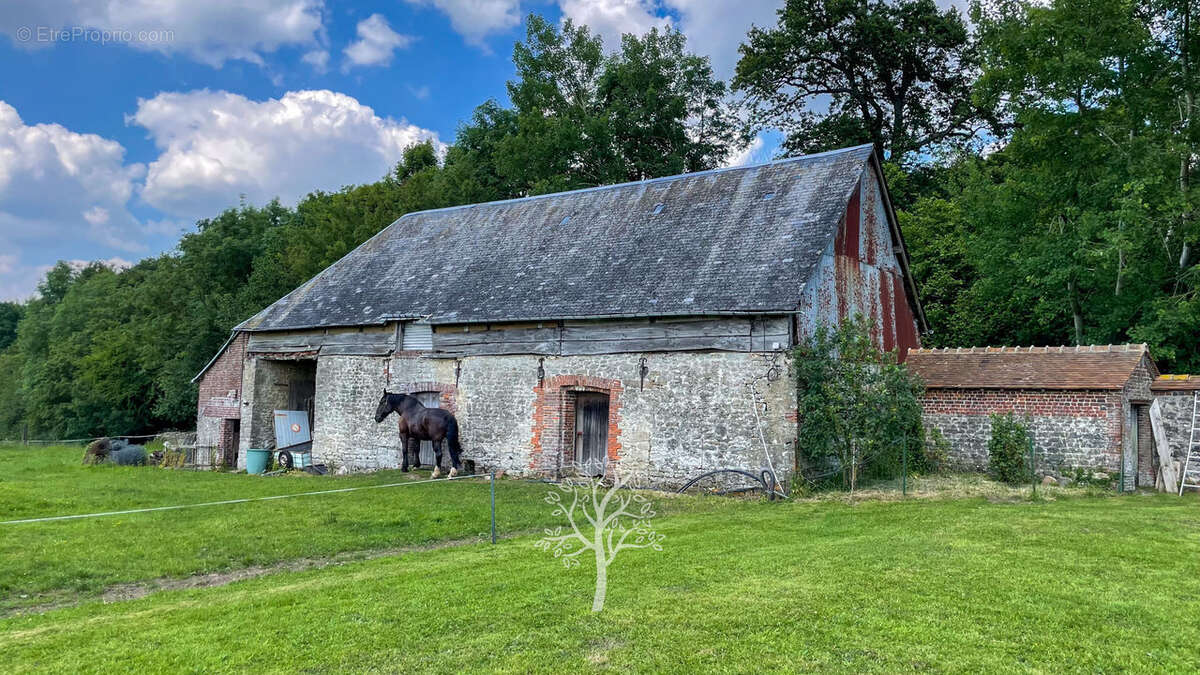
(220, 393)
(1070, 428)
(694, 413)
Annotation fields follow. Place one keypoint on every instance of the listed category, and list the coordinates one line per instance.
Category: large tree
(582, 118)
(10, 315)
(837, 72)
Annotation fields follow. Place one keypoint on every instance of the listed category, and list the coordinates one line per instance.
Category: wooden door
(429, 399)
(302, 390)
(591, 433)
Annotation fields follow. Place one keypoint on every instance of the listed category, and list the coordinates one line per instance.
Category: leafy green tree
(895, 74)
(10, 316)
(581, 119)
(667, 112)
(859, 410)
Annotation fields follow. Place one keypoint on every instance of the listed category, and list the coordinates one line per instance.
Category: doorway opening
(429, 399)
(281, 384)
(1143, 443)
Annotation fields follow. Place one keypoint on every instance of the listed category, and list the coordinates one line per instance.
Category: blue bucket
(256, 461)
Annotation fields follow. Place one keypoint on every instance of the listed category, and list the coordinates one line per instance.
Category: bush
(937, 450)
(859, 410)
(1008, 450)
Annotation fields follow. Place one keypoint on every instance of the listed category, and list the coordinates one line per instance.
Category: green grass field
(1074, 583)
(42, 563)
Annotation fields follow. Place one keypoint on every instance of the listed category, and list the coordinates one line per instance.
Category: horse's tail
(452, 435)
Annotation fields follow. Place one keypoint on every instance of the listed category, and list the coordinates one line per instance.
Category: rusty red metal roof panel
(1083, 367)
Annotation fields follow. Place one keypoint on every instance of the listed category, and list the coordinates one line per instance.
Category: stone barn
(645, 325)
(1087, 407)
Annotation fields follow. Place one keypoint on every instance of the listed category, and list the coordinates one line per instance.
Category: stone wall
(1071, 429)
(1176, 408)
(693, 414)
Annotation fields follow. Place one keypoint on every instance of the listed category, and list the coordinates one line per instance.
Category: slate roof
(738, 240)
(1083, 367)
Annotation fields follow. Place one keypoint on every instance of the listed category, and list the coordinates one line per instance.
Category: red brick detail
(792, 415)
(554, 418)
(220, 391)
(448, 392)
(1067, 403)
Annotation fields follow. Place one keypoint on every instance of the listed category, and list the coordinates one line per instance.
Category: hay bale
(97, 451)
(125, 453)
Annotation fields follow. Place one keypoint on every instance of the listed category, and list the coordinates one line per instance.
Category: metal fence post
(492, 482)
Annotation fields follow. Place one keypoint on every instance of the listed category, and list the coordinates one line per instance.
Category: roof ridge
(644, 181)
(1033, 349)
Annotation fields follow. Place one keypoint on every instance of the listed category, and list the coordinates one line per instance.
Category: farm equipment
(293, 441)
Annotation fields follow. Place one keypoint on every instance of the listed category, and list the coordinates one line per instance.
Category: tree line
(1039, 155)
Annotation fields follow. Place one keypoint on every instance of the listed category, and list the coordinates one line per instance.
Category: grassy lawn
(1076, 584)
(47, 562)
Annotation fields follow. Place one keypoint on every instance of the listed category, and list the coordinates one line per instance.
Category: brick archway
(554, 419)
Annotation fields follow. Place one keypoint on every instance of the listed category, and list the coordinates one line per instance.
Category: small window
(565, 220)
(658, 208)
(418, 337)
(769, 196)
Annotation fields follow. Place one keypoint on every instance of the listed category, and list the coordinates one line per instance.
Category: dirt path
(140, 589)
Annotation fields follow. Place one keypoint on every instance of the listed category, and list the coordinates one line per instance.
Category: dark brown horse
(418, 423)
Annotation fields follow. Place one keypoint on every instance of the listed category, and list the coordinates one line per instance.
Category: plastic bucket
(256, 461)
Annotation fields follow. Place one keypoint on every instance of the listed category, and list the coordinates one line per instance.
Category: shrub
(1008, 450)
(937, 450)
(859, 410)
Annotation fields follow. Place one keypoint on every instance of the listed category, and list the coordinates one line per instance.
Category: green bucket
(256, 461)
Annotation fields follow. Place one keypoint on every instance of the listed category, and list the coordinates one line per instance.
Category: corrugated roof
(1083, 367)
(702, 243)
(1175, 383)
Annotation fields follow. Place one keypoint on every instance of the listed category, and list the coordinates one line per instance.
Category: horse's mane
(394, 398)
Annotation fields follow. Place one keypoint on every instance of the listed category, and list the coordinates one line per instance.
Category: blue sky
(121, 124)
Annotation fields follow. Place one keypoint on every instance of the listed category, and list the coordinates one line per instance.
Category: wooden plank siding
(560, 338)
(572, 337)
(364, 341)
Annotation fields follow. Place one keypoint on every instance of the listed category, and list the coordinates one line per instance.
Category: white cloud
(318, 59)
(375, 44)
(715, 28)
(610, 19)
(751, 154)
(217, 146)
(476, 19)
(58, 183)
(210, 31)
